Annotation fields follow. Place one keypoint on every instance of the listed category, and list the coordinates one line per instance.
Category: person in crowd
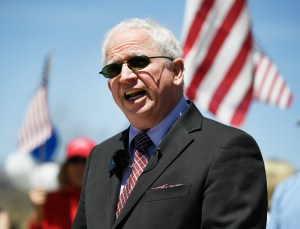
(285, 208)
(56, 210)
(276, 170)
(172, 167)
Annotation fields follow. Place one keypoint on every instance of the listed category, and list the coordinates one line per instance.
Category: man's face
(145, 96)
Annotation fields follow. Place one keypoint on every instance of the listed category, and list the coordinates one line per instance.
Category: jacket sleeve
(235, 191)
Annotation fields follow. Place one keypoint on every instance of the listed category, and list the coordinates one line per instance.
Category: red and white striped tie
(142, 142)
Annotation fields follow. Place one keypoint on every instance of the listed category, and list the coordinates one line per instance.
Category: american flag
(269, 85)
(37, 135)
(220, 60)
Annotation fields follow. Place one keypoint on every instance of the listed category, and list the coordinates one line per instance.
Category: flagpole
(47, 66)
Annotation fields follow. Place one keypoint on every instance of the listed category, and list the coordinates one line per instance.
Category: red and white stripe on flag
(36, 127)
(269, 85)
(217, 44)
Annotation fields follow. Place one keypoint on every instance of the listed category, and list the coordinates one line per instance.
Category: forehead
(128, 42)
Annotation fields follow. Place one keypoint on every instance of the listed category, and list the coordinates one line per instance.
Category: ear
(178, 67)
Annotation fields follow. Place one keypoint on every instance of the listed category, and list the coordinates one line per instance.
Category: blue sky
(79, 101)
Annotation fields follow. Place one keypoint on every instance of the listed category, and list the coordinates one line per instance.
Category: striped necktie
(142, 142)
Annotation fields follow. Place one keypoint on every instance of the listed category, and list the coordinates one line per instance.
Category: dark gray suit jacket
(208, 175)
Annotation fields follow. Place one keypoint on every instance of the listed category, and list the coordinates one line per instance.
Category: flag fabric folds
(37, 135)
(269, 85)
(220, 60)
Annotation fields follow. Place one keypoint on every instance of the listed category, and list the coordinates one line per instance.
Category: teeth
(132, 95)
(130, 92)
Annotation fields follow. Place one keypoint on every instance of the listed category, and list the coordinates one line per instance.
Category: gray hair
(164, 39)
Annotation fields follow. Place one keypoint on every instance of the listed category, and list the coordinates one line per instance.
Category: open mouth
(135, 95)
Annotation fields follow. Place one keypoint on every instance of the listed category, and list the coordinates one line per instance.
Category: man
(198, 174)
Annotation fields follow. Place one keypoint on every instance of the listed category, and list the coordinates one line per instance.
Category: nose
(127, 74)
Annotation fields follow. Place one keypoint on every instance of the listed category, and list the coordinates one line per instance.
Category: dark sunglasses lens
(111, 70)
(138, 62)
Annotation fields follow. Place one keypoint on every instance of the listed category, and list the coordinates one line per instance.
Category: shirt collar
(158, 132)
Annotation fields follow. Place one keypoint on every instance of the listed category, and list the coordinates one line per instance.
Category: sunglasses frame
(130, 66)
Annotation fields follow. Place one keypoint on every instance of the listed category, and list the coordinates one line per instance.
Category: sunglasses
(135, 63)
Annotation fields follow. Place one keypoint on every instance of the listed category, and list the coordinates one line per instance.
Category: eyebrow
(113, 61)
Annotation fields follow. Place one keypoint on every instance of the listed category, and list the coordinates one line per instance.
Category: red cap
(80, 147)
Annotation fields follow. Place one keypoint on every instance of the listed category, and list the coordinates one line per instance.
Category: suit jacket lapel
(112, 200)
(115, 181)
(172, 145)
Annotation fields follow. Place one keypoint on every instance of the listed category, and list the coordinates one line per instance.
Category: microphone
(119, 161)
(157, 154)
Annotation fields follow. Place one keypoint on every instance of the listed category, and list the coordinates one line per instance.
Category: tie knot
(142, 142)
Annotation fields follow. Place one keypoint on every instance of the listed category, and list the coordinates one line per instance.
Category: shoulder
(223, 133)
(113, 143)
(103, 152)
(209, 127)
(213, 133)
